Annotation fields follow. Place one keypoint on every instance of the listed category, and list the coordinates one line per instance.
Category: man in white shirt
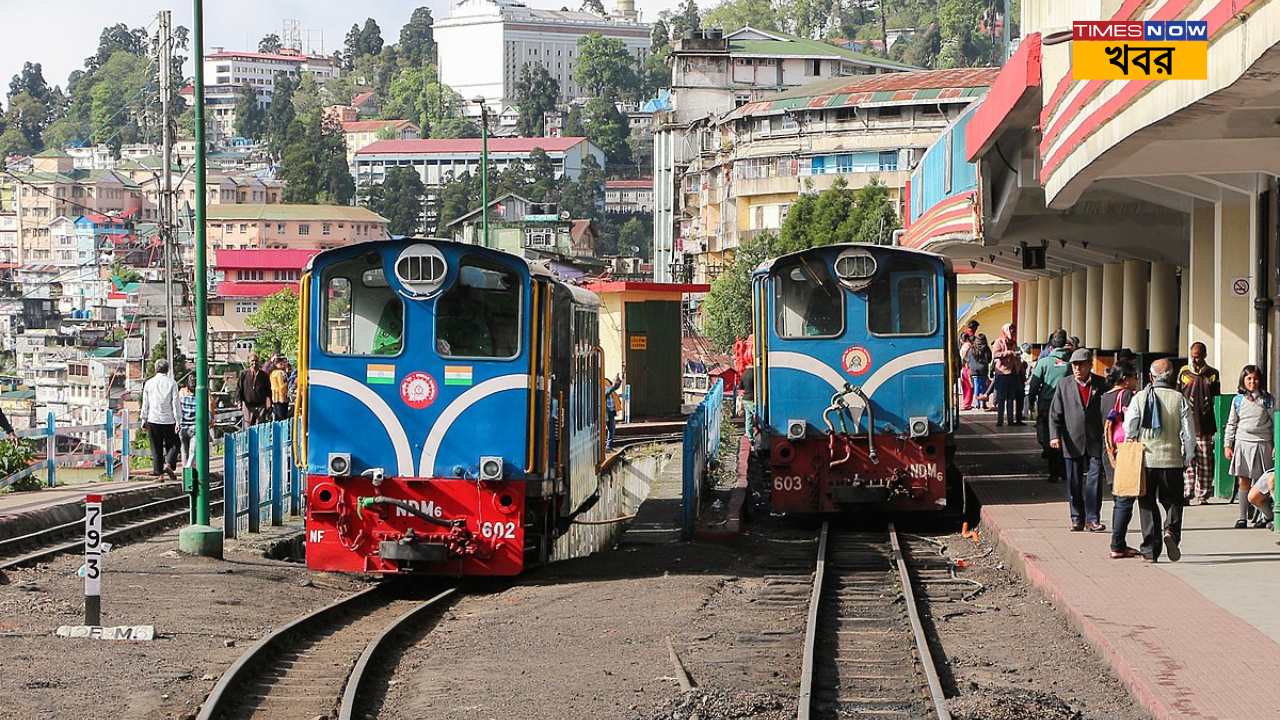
(160, 413)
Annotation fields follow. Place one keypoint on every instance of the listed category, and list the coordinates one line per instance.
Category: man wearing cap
(1075, 428)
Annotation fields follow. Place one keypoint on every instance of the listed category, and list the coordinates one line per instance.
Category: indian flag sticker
(457, 374)
(380, 375)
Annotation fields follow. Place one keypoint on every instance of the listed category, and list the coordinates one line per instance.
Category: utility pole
(201, 538)
(166, 182)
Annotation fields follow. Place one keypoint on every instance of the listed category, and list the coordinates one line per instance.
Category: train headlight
(796, 429)
(339, 464)
(919, 427)
(490, 468)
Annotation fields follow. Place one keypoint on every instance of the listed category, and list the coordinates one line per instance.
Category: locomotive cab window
(808, 302)
(363, 315)
(902, 300)
(479, 315)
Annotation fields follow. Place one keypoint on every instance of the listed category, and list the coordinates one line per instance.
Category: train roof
(767, 265)
(538, 270)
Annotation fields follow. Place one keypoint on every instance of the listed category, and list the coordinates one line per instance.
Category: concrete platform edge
(1092, 633)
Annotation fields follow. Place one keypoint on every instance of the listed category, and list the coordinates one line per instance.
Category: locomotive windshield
(808, 302)
(901, 301)
(363, 315)
(479, 315)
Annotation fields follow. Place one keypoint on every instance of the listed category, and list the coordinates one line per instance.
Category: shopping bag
(1131, 470)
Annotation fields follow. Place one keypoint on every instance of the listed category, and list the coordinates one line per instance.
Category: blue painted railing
(701, 441)
(262, 484)
(112, 437)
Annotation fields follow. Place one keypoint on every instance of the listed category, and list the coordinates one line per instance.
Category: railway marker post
(93, 560)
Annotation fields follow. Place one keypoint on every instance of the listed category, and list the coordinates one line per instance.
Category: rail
(263, 484)
(701, 441)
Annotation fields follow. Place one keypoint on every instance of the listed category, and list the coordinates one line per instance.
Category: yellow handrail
(304, 359)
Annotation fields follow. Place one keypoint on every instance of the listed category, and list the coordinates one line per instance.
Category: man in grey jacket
(1075, 429)
(1160, 418)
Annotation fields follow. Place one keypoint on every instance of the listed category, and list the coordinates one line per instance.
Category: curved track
(318, 664)
(865, 651)
(120, 525)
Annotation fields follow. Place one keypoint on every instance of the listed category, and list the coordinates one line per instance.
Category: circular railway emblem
(418, 390)
(856, 360)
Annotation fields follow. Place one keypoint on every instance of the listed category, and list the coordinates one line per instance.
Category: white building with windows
(227, 70)
(483, 44)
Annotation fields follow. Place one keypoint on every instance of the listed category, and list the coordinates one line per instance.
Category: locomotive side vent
(421, 269)
(855, 268)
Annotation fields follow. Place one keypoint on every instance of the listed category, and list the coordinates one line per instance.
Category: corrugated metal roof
(467, 146)
(252, 289)
(293, 212)
(888, 88)
(374, 125)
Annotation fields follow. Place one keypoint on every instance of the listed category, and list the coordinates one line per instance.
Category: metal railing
(262, 484)
(701, 442)
(83, 446)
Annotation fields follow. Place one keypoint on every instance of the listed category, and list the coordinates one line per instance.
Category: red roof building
(259, 273)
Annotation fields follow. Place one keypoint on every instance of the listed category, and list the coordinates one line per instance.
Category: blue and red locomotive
(854, 370)
(449, 408)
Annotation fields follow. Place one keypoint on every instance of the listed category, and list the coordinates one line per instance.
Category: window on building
(304, 229)
(244, 307)
(280, 228)
(887, 113)
(326, 229)
(741, 98)
(931, 110)
(812, 68)
(287, 275)
(217, 309)
(249, 275)
(244, 228)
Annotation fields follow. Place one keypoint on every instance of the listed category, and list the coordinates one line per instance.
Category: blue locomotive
(450, 406)
(853, 348)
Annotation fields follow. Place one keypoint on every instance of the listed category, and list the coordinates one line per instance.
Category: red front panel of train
(817, 475)
(345, 534)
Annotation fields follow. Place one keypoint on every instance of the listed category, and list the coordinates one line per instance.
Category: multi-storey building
(483, 45)
(227, 71)
(363, 133)
(316, 227)
(246, 277)
(753, 163)
(628, 196)
(712, 74)
(439, 161)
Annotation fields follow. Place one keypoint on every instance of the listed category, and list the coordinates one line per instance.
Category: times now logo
(1149, 30)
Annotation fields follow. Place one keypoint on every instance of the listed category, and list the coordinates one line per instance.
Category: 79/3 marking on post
(93, 545)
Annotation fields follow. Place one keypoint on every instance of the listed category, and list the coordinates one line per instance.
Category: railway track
(126, 523)
(865, 651)
(655, 438)
(319, 665)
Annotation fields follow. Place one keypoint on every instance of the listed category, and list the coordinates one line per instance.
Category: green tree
(270, 44)
(604, 69)
(306, 96)
(542, 186)
(178, 367)
(594, 6)
(964, 44)
(608, 128)
(28, 116)
(399, 199)
(636, 236)
(685, 20)
(727, 309)
(250, 117)
(573, 126)
(370, 38)
(417, 39)
(119, 78)
(536, 95)
(459, 196)
(351, 48)
(659, 38)
(583, 198)
(734, 14)
(276, 321)
(280, 115)
(838, 215)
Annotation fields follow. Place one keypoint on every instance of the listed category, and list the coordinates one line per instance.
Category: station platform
(1193, 639)
(17, 503)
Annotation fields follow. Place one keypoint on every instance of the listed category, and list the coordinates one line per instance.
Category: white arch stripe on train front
(819, 369)
(376, 405)
(492, 386)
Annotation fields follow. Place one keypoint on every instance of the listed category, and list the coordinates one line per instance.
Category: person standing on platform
(187, 420)
(1124, 383)
(254, 388)
(279, 391)
(1007, 373)
(966, 380)
(1247, 441)
(1201, 386)
(979, 364)
(612, 405)
(1075, 429)
(160, 413)
(1160, 418)
(1050, 368)
(749, 401)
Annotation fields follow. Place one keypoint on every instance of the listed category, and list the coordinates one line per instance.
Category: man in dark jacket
(1050, 368)
(254, 388)
(1075, 428)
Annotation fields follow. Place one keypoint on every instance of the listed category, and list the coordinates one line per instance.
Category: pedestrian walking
(1123, 380)
(749, 401)
(1247, 440)
(187, 420)
(1075, 429)
(1200, 384)
(160, 412)
(1008, 371)
(979, 364)
(1160, 418)
(1049, 370)
(254, 388)
(612, 404)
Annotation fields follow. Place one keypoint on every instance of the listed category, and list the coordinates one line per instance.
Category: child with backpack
(1247, 439)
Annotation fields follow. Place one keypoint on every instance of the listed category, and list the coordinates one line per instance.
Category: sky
(60, 34)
